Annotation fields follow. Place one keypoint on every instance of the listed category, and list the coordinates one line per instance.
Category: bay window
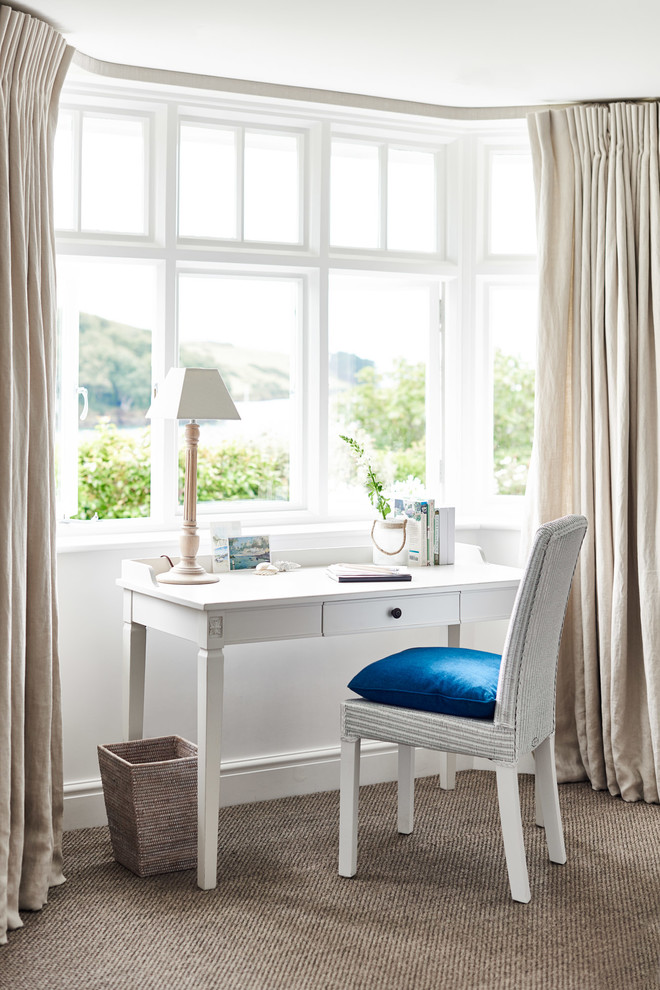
(348, 273)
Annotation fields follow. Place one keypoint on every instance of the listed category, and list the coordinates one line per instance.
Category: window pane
(110, 308)
(378, 341)
(247, 328)
(113, 174)
(63, 173)
(512, 210)
(512, 324)
(207, 181)
(272, 187)
(411, 207)
(354, 195)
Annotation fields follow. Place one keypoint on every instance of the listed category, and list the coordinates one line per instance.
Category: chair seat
(430, 730)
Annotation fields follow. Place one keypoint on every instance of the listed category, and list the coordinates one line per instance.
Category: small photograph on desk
(248, 551)
(220, 534)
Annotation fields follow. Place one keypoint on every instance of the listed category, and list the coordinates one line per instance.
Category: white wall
(281, 718)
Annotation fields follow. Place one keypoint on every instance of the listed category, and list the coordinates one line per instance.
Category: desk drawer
(370, 615)
(253, 625)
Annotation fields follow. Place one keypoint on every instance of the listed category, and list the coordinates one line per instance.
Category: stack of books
(431, 531)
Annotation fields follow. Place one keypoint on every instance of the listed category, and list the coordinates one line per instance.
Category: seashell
(285, 565)
(266, 569)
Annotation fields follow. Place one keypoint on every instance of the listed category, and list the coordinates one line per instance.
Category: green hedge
(114, 473)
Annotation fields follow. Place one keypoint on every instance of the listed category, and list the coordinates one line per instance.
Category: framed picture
(248, 551)
(220, 535)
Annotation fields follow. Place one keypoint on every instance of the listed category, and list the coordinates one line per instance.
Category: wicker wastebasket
(150, 791)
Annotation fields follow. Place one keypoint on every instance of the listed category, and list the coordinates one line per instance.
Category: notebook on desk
(353, 573)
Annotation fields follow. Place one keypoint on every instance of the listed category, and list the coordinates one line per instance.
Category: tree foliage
(513, 422)
(385, 412)
(114, 479)
(389, 411)
(114, 473)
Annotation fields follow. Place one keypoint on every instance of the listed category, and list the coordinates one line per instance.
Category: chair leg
(406, 792)
(546, 776)
(447, 771)
(514, 846)
(349, 790)
(538, 806)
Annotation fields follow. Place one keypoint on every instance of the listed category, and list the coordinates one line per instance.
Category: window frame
(471, 389)
(461, 152)
(240, 242)
(78, 233)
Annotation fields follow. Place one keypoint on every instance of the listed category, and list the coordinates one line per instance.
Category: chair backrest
(527, 682)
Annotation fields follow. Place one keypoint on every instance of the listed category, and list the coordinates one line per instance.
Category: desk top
(240, 589)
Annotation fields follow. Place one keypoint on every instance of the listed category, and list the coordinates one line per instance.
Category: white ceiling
(463, 53)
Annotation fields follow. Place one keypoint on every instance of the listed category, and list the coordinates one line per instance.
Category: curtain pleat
(597, 437)
(33, 63)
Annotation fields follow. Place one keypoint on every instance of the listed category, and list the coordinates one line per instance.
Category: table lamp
(192, 394)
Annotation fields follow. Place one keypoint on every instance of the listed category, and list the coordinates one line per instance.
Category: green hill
(115, 367)
(248, 374)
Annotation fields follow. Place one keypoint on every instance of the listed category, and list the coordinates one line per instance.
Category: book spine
(451, 534)
(410, 509)
(424, 535)
(446, 534)
(442, 535)
(436, 536)
(430, 533)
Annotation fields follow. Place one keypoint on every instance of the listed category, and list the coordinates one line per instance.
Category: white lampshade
(192, 393)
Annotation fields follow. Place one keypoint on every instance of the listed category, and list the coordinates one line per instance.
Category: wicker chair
(523, 720)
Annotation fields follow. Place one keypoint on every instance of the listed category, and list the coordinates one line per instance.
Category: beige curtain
(33, 62)
(597, 432)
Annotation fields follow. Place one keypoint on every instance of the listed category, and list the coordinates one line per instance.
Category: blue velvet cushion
(449, 680)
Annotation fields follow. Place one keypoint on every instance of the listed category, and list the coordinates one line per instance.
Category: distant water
(270, 417)
(249, 560)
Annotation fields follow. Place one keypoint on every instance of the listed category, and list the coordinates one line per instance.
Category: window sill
(282, 537)
(310, 535)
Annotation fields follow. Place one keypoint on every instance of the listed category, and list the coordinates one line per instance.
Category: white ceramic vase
(388, 538)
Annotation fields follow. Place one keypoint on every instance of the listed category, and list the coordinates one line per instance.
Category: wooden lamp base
(188, 571)
(180, 574)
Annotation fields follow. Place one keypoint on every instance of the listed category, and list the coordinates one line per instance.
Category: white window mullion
(319, 356)
(77, 168)
(441, 201)
(300, 440)
(435, 392)
(164, 472)
(240, 183)
(69, 399)
(166, 430)
(382, 164)
(148, 178)
(303, 190)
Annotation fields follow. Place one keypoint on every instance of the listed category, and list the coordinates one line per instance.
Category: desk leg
(135, 644)
(210, 669)
(448, 760)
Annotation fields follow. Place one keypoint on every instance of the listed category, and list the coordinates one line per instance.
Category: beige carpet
(430, 910)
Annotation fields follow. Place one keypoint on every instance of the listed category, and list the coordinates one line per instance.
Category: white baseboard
(267, 778)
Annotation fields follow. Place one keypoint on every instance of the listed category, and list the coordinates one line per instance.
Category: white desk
(244, 607)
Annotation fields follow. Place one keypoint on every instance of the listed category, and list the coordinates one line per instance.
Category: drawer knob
(396, 613)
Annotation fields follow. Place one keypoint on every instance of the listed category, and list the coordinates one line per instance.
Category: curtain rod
(303, 94)
(246, 87)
